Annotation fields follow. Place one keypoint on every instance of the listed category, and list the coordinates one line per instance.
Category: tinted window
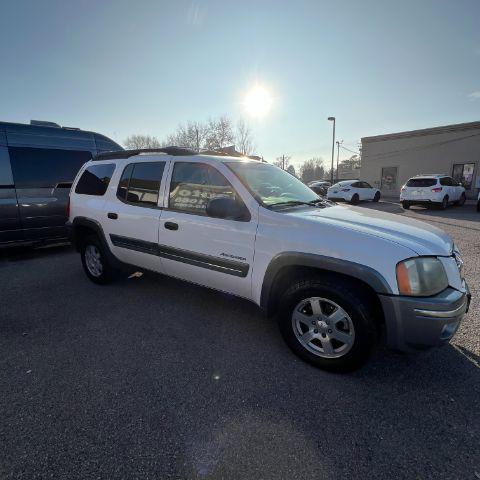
(194, 184)
(422, 182)
(41, 167)
(447, 181)
(124, 181)
(366, 185)
(140, 183)
(95, 179)
(356, 185)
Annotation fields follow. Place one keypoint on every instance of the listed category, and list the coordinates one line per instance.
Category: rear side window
(446, 181)
(422, 182)
(140, 183)
(95, 179)
(45, 168)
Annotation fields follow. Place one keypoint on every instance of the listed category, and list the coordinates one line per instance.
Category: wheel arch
(287, 267)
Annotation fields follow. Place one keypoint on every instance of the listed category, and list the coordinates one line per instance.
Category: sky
(123, 67)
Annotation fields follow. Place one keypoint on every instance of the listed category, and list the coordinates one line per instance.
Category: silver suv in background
(427, 190)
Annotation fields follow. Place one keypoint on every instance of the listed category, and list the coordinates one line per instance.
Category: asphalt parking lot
(152, 378)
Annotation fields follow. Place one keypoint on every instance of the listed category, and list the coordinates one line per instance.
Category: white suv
(440, 190)
(334, 275)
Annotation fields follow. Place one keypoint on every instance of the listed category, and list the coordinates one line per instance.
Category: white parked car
(334, 275)
(353, 191)
(427, 190)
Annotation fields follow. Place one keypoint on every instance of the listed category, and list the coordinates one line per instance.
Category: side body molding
(335, 265)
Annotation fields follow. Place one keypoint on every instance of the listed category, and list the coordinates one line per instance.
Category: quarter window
(140, 183)
(95, 179)
(194, 184)
(45, 168)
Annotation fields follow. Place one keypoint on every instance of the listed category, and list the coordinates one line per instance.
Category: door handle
(112, 215)
(171, 226)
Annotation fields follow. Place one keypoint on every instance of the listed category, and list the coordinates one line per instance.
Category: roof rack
(120, 154)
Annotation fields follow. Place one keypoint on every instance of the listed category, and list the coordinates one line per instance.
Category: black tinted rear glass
(422, 182)
(45, 167)
(95, 179)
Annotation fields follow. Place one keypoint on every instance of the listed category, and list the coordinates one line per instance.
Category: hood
(421, 237)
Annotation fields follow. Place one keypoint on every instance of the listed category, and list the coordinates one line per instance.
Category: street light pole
(332, 119)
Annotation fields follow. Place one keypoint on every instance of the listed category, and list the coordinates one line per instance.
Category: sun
(258, 101)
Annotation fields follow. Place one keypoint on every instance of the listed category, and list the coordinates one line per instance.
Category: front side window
(194, 184)
(272, 186)
(45, 167)
(140, 183)
(95, 179)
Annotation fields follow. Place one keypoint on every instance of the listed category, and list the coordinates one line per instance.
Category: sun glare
(258, 101)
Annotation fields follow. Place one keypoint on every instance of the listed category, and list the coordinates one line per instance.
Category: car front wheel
(444, 203)
(328, 324)
(376, 198)
(405, 205)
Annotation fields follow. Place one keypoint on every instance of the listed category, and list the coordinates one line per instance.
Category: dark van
(38, 163)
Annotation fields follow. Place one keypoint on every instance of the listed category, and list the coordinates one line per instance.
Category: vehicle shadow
(24, 253)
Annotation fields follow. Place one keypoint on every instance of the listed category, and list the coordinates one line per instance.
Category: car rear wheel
(355, 199)
(405, 205)
(376, 198)
(328, 324)
(95, 261)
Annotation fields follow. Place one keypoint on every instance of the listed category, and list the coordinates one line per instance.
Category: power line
(348, 150)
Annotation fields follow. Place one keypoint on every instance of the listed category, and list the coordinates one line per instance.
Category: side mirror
(228, 209)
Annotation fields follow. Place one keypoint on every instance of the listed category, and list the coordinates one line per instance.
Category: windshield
(271, 185)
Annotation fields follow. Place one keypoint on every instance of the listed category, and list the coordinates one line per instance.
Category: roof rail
(119, 154)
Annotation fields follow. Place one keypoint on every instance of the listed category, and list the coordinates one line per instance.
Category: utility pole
(332, 119)
(338, 153)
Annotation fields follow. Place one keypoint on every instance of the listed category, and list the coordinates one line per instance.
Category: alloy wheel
(93, 260)
(323, 327)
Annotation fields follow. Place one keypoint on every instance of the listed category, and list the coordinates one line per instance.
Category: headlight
(421, 276)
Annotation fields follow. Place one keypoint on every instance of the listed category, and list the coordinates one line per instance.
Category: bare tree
(244, 140)
(291, 170)
(312, 169)
(191, 135)
(220, 133)
(282, 162)
(141, 141)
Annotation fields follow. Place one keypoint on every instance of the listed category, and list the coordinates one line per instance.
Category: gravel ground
(151, 378)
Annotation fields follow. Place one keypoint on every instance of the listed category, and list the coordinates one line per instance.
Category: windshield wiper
(292, 203)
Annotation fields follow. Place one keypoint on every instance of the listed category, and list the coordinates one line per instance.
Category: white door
(214, 252)
(133, 215)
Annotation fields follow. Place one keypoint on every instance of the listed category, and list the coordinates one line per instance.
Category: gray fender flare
(358, 271)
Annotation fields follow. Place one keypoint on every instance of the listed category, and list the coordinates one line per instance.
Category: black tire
(405, 205)
(355, 199)
(478, 206)
(444, 204)
(108, 272)
(461, 201)
(351, 300)
(376, 198)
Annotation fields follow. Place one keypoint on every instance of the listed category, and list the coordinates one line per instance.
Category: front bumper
(415, 323)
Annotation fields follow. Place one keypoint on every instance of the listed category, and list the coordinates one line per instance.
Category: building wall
(407, 154)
